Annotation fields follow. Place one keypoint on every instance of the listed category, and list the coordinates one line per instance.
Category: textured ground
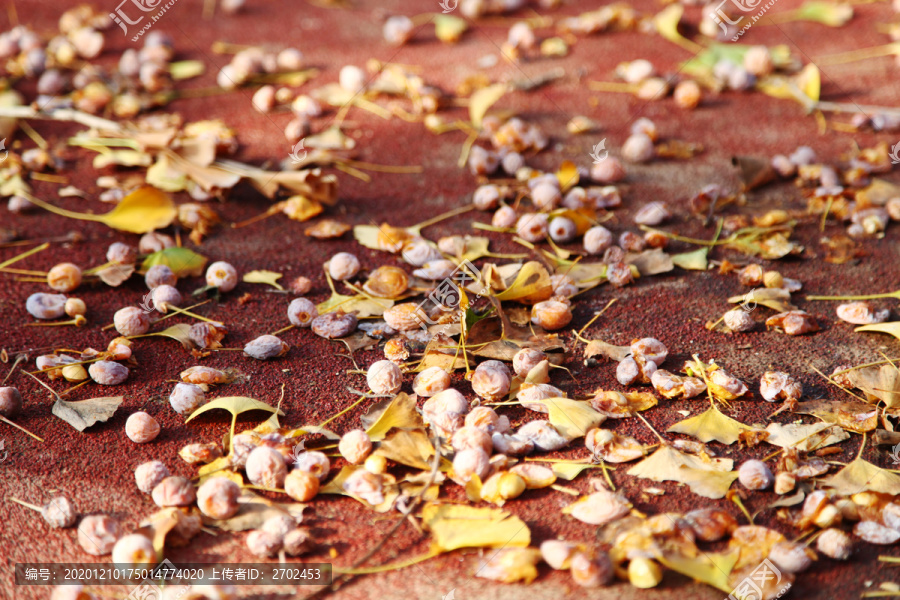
(95, 468)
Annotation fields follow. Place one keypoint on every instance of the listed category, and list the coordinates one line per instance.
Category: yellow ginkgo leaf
(448, 28)
(235, 405)
(803, 437)
(862, 476)
(267, 277)
(399, 412)
(711, 425)
(143, 210)
(712, 568)
(183, 261)
(567, 174)
(300, 208)
(457, 526)
(362, 305)
(411, 448)
(482, 100)
(572, 418)
(710, 479)
(532, 284)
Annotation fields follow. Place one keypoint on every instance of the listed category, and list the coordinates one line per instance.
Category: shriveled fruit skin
(107, 372)
(263, 543)
(335, 324)
(384, 377)
(343, 266)
(158, 275)
(755, 475)
(59, 512)
(133, 551)
(266, 468)
(45, 306)
(97, 534)
(174, 491)
(10, 401)
(217, 497)
(355, 446)
(491, 380)
(301, 312)
(298, 541)
(265, 347)
(222, 275)
(551, 314)
(186, 398)
(131, 321)
(301, 486)
(431, 381)
(64, 277)
(141, 428)
(150, 474)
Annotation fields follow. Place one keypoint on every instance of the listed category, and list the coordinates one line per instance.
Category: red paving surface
(95, 468)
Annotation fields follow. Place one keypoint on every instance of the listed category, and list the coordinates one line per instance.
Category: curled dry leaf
(84, 413)
(327, 229)
(852, 415)
(805, 438)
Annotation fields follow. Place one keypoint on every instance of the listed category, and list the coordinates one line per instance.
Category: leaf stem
(27, 504)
